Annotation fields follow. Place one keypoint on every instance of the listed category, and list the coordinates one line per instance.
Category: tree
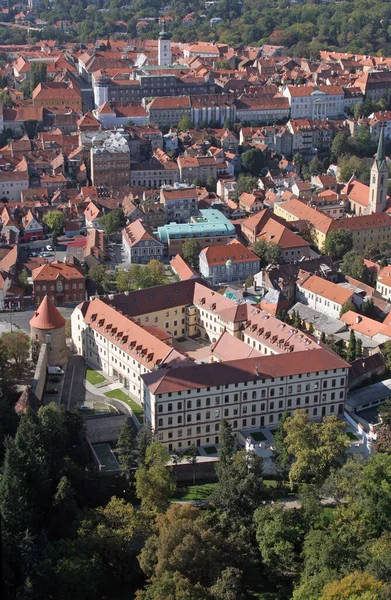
(17, 344)
(55, 221)
(315, 166)
(123, 280)
(245, 183)
(126, 449)
(317, 448)
(347, 307)
(38, 71)
(155, 272)
(112, 221)
(253, 161)
(229, 586)
(240, 488)
(144, 440)
(191, 250)
(281, 456)
(185, 123)
(340, 144)
(323, 337)
(101, 276)
(350, 166)
(351, 354)
(338, 243)
(211, 184)
(191, 455)
(23, 279)
(353, 265)
(154, 484)
(356, 586)
(228, 445)
(280, 535)
(269, 253)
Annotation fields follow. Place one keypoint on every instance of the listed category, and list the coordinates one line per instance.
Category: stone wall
(104, 429)
(38, 384)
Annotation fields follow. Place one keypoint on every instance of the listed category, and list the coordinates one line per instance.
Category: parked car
(45, 254)
(54, 370)
(85, 408)
(52, 391)
(33, 253)
(49, 247)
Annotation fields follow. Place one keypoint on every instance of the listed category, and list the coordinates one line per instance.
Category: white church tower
(164, 47)
(379, 180)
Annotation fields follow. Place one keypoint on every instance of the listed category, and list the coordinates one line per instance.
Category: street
(21, 320)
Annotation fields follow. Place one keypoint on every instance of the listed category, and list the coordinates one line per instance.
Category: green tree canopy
(253, 161)
(269, 253)
(112, 221)
(338, 243)
(191, 250)
(55, 221)
(353, 265)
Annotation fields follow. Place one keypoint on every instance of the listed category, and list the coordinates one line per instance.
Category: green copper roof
(380, 155)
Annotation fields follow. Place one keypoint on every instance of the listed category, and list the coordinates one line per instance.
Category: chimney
(358, 319)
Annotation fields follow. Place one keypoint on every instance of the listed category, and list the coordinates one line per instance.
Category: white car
(49, 248)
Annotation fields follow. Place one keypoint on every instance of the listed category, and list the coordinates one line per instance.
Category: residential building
(296, 210)
(251, 203)
(139, 244)
(322, 295)
(383, 283)
(62, 282)
(32, 229)
(182, 269)
(210, 228)
(92, 215)
(292, 246)
(153, 174)
(110, 162)
(314, 102)
(168, 111)
(185, 405)
(12, 183)
(366, 229)
(212, 109)
(233, 262)
(57, 93)
(180, 202)
(199, 167)
(114, 344)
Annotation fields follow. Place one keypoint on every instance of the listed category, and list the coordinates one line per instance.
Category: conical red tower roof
(47, 316)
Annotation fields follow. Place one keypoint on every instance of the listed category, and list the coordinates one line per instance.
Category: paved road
(21, 320)
(73, 391)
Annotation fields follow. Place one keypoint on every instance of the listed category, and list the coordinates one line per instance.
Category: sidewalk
(101, 390)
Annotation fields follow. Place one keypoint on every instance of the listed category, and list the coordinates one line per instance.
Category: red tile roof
(47, 316)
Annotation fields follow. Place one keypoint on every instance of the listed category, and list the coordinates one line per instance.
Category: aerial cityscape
(195, 300)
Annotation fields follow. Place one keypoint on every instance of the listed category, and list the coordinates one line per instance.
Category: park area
(121, 395)
(94, 377)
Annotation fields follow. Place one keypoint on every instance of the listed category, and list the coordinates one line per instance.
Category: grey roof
(370, 394)
(319, 320)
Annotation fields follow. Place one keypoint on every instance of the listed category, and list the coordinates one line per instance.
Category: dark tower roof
(164, 34)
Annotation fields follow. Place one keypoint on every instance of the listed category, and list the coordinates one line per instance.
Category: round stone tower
(47, 326)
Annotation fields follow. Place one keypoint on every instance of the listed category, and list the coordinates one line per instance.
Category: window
(217, 413)
(170, 420)
(169, 407)
(245, 396)
(207, 416)
(189, 431)
(298, 401)
(226, 399)
(254, 395)
(208, 402)
(160, 408)
(179, 405)
(198, 402)
(217, 400)
(226, 412)
(160, 422)
(198, 417)
(271, 406)
(189, 404)
(281, 391)
(272, 392)
(188, 418)
(280, 404)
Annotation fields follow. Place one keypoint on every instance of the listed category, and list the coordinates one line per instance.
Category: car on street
(49, 247)
(52, 391)
(33, 253)
(45, 254)
(85, 408)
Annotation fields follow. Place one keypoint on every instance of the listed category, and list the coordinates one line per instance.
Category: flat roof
(364, 397)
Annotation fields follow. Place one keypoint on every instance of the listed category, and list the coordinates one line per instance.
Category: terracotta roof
(323, 287)
(302, 211)
(363, 222)
(235, 251)
(137, 231)
(276, 233)
(47, 316)
(57, 270)
(365, 325)
(229, 347)
(237, 371)
(182, 269)
(220, 305)
(129, 336)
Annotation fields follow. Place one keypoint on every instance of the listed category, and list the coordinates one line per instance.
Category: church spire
(380, 155)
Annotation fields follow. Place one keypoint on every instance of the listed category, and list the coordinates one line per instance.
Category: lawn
(258, 436)
(136, 408)
(94, 377)
(211, 450)
(195, 492)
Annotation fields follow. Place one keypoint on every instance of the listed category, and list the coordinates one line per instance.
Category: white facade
(315, 104)
(164, 52)
(193, 416)
(11, 187)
